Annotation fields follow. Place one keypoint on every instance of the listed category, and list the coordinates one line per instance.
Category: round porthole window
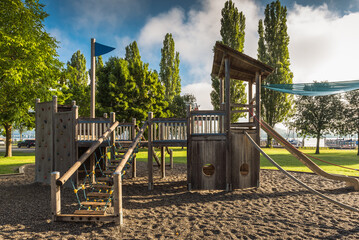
(208, 169)
(244, 169)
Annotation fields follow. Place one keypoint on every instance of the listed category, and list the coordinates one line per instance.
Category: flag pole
(93, 76)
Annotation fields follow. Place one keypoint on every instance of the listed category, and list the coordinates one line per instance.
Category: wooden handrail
(131, 148)
(61, 181)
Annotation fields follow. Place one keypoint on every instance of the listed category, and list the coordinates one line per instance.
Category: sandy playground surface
(279, 209)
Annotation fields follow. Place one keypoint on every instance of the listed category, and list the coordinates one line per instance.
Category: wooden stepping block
(98, 195)
(95, 204)
(89, 212)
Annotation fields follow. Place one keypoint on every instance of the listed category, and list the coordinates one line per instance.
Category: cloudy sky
(324, 35)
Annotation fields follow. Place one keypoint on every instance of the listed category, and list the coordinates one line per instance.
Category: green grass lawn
(9, 165)
(346, 158)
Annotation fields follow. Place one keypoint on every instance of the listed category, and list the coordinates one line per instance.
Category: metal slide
(350, 181)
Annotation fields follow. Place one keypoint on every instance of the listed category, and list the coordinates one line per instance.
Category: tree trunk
(269, 141)
(20, 131)
(318, 140)
(303, 141)
(8, 148)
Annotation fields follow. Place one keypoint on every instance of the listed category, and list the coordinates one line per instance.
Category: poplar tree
(232, 33)
(76, 80)
(169, 69)
(273, 50)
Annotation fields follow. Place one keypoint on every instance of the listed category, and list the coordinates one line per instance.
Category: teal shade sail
(316, 88)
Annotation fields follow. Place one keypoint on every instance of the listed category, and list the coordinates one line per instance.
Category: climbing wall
(44, 141)
(64, 138)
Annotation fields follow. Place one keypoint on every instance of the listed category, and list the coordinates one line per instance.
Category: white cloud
(323, 46)
(195, 34)
(201, 92)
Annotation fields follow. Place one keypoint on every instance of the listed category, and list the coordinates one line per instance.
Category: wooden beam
(242, 105)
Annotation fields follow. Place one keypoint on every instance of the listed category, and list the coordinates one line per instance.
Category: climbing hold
(45, 121)
(60, 119)
(68, 154)
(57, 154)
(64, 126)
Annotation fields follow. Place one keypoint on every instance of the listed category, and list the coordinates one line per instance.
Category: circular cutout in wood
(208, 169)
(244, 169)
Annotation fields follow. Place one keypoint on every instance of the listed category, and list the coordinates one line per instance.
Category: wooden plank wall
(208, 150)
(44, 142)
(245, 155)
(64, 138)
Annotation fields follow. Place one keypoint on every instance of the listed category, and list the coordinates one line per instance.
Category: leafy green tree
(233, 24)
(28, 63)
(129, 88)
(76, 81)
(350, 125)
(273, 50)
(169, 68)
(178, 106)
(316, 116)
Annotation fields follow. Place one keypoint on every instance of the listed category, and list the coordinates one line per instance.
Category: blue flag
(101, 49)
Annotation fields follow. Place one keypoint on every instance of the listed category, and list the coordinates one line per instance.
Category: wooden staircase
(99, 194)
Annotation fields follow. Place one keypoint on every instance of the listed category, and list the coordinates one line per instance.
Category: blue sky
(323, 34)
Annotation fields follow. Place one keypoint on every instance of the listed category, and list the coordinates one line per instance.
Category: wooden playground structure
(91, 155)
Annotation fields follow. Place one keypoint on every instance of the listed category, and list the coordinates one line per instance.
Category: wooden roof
(242, 66)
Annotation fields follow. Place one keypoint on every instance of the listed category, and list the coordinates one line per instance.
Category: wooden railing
(207, 122)
(90, 129)
(125, 131)
(169, 129)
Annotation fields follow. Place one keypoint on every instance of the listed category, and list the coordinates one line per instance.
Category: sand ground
(279, 209)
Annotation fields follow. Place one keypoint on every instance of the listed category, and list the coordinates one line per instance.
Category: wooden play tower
(219, 154)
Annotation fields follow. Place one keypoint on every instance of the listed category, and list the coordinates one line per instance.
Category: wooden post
(258, 106)
(54, 107)
(150, 159)
(75, 112)
(55, 196)
(228, 122)
(171, 158)
(37, 141)
(163, 162)
(250, 96)
(189, 155)
(113, 136)
(93, 77)
(134, 157)
(105, 115)
(117, 197)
